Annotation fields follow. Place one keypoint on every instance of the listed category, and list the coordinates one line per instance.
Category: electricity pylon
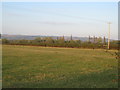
(109, 34)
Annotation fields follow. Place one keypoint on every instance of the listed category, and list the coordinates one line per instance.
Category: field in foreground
(45, 67)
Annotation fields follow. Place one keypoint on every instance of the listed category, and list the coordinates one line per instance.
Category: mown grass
(45, 67)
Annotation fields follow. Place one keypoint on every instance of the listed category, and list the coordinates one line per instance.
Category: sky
(80, 19)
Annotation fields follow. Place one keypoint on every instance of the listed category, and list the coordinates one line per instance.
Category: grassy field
(46, 67)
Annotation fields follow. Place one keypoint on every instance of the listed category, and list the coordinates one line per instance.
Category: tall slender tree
(89, 39)
(71, 37)
(63, 37)
(104, 40)
(57, 38)
(94, 39)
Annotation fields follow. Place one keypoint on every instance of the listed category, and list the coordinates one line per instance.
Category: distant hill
(32, 37)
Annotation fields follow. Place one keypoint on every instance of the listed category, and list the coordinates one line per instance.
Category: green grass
(46, 67)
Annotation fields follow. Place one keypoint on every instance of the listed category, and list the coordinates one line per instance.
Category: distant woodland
(92, 42)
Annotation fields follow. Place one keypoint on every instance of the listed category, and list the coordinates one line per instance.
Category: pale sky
(60, 18)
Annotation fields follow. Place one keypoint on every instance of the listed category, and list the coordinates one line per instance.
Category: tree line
(93, 43)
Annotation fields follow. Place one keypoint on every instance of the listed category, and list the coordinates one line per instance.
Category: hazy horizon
(56, 36)
(60, 18)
